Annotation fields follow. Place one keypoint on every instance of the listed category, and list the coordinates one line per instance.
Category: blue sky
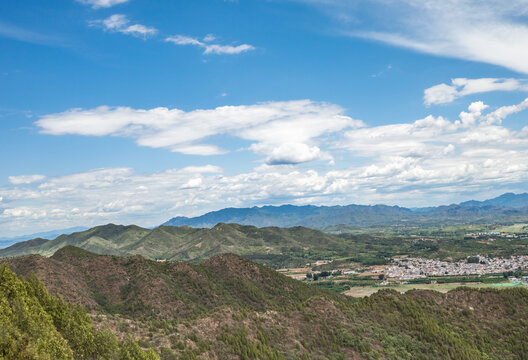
(134, 111)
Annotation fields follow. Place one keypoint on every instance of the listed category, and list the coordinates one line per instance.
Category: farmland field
(361, 291)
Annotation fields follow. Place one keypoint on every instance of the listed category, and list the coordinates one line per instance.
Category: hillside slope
(138, 287)
(190, 244)
(35, 325)
(231, 308)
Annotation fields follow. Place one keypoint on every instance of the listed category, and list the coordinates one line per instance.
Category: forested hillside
(230, 308)
(36, 325)
(273, 246)
(136, 286)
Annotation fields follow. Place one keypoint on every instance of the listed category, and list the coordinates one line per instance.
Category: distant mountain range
(508, 200)
(264, 232)
(508, 207)
(291, 215)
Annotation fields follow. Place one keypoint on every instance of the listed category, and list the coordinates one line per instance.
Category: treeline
(37, 325)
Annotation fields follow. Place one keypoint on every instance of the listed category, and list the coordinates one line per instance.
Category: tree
(130, 350)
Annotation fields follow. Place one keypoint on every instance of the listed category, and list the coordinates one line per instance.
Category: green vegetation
(128, 286)
(36, 325)
(279, 247)
(332, 285)
(276, 247)
(248, 349)
(230, 308)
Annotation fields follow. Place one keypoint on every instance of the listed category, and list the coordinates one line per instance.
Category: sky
(136, 111)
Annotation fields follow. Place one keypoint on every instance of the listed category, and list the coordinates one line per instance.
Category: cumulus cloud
(207, 46)
(444, 93)
(120, 23)
(475, 112)
(290, 153)
(285, 132)
(192, 183)
(472, 152)
(434, 138)
(429, 161)
(97, 4)
(492, 31)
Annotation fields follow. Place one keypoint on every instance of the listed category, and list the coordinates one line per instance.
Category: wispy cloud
(97, 4)
(120, 23)
(459, 87)
(29, 36)
(490, 31)
(284, 132)
(208, 46)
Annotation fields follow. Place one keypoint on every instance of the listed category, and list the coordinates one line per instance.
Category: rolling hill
(274, 246)
(136, 286)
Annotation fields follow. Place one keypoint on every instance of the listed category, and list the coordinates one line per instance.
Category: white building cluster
(413, 268)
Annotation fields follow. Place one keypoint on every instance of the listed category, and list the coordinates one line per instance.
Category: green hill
(272, 245)
(36, 325)
(231, 308)
(137, 286)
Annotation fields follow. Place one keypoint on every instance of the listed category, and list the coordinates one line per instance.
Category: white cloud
(285, 132)
(429, 161)
(227, 49)
(434, 138)
(435, 154)
(184, 40)
(492, 31)
(209, 38)
(97, 4)
(290, 153)
(33, 37)
(501, 113)
(475, 112)
(207, 46)
(120, 23)
(444, 93)
(192, 183)
(25, 179)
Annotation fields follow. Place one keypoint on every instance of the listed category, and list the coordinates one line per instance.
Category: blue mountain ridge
(507, 207)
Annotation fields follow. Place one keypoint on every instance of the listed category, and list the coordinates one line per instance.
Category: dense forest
(230, 308)
(36, 325)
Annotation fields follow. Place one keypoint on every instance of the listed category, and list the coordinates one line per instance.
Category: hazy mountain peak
(359, 215)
